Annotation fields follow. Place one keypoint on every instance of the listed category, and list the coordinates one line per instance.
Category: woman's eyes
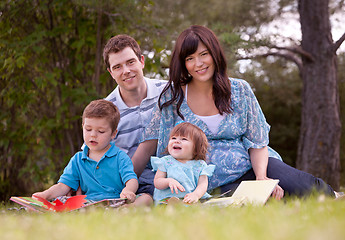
(202, 54)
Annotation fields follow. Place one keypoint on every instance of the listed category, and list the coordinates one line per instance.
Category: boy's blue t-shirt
(99, 180)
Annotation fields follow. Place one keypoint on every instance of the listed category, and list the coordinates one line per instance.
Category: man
(135, 96)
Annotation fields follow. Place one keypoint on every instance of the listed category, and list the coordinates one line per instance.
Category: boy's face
(181, 148)
(126, 69)
(97, 134)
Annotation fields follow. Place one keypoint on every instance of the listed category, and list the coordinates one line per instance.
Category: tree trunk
(319, 141)
(98, 49)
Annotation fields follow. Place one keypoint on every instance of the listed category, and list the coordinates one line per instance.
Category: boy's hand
(175, 186)
(39, 194)
(128, 194)
(191, 198)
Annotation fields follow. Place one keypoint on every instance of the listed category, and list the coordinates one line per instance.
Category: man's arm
(142, 155)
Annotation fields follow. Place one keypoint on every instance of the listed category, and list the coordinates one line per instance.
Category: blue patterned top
(187, 174)
(244, 128)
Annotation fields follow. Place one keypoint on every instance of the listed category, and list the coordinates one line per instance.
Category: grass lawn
(313, 219)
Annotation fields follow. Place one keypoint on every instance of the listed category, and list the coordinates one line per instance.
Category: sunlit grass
(294, 219)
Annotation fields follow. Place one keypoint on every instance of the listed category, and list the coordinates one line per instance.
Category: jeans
(146, 182)
(293, 181)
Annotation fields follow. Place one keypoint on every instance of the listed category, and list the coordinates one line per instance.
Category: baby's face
(181, 148)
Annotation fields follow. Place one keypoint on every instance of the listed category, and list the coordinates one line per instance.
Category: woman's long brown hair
(187, 44)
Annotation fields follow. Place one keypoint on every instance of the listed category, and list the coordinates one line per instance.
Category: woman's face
(200, 65)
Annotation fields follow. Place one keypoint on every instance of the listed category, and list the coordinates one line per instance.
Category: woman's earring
(189, 75)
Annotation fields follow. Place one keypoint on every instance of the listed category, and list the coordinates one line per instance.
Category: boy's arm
(59, 189)
(162, 182)
(130, 189)
(199, 191)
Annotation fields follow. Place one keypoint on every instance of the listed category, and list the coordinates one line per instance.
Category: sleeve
(207, 169)
(151, 131)
(161, 124)
(257, 129)
(158, 163)
(71, 174)
(126, 168)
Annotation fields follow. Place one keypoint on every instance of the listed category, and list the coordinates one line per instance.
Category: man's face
(127, 69)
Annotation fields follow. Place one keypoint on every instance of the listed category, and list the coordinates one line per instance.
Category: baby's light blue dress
(187, 174)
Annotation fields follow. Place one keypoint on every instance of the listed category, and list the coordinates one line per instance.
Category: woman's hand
(278, 192)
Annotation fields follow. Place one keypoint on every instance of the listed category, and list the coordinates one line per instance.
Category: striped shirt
(133, 120)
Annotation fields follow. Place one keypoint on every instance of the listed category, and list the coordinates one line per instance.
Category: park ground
(313, 218)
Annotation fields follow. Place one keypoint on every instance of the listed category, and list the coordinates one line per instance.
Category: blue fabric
(245, 128)
(146, 181)
(99, 180)
(187, 174)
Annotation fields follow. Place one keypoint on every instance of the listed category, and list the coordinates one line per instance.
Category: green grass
(294, 219)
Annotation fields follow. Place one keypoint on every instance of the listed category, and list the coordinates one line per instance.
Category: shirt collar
(152, 91)
(112, 151)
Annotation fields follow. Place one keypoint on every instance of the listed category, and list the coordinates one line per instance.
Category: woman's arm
(142, 155)
(259, 159)
(199, 191)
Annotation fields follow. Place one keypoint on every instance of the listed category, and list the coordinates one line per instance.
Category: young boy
(102, 170)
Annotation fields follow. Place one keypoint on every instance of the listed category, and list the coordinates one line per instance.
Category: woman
(226, 109)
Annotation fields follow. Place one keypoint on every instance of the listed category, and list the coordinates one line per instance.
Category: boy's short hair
(196, 135)
(117, 44)
(103, 109)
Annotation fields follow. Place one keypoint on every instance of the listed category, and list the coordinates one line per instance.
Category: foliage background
(51, 66)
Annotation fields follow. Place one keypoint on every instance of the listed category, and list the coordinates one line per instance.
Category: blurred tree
(239, 25)
(51, 67)
(319, 143)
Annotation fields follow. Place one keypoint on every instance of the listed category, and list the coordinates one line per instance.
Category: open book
(64, 204)
(248, 192)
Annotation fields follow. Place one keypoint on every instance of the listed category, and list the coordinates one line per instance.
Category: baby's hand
(191, 198)
(175, 186)
(128, 194)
